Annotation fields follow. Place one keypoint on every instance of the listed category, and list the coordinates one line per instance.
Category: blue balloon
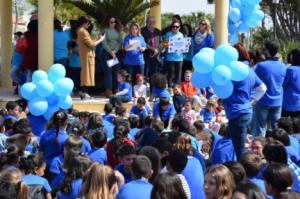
(50, 111)
(44, 88)
(63, 87)
(234, 15)
(203, 62)
(239, 70)
(210, 51)
(38, 106)
(65, 102)
(233, 38)
(28, 90)
(38, 76)
(221, 75)
(243, 28)
(225, 54)
(232, 28)
(224, 91)
(235, 3)
(55, 72)
(201, 80)
(52, 99)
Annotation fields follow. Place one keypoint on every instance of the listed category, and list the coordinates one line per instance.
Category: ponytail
(125, 75)
(59, 120)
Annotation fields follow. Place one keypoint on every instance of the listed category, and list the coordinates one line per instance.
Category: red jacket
(30, 61)
(188, 89)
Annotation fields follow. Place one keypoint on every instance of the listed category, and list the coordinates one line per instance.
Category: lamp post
(275, 2)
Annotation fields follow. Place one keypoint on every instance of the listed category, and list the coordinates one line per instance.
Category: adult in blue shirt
(139, 187)
(134, 57)
(164, 111)
(291, 87)
(51, 142)
(173, 60)
(238, 108)
(60, 46)
(203, 37)
(272, 73)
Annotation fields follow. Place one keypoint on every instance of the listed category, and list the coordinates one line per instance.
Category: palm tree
(126, 11)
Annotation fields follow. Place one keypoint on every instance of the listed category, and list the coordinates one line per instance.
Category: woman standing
(111, 44)
(86, 53)
(203, 37)
(61, 39)
(134, 57)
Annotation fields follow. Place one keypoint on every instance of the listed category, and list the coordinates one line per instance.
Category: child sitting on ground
(134, 126)
(12, 110)
(109, 116)
(159, 86)
(98, 153)
(126, 154)
(178, 98)
(188, 113)
(208, 114)
(164, 111)
(141, 109)
(140, 89)
(124, 93)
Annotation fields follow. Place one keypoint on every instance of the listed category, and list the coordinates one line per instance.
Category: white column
(156, 12)
(221, 14)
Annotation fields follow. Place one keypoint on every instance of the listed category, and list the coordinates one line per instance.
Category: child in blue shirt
(78, 130)
(134, 122)
(98, 153)
(124, 93)
(126, 155)
(134, 57)
(139, 187)
(12, 111)
(108, 108)
(164, 111)
(34, 167)
(8, 126)
(72, 183)
(52, 141)
(208, 114)
(141, 109)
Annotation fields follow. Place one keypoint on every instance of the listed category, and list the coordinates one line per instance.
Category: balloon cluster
(47, 93)
(243, 14)
(217, 69)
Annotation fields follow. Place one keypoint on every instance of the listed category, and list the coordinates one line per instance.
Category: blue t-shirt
(125, 85)
(294, 143)
(133, 132)
(52, 146)
(76, 191)
(126, 175)
(161, 92)
(272, 73)
(207, 42)
(74, 59)
(207, 115)
(142, 113)
(194, 179)
(98, 155)
(239, 102)
(223, 151)
(60, 47)
(31, 179)
(38, 124)
(293, 154)
(15, 118)
(165, 114)
(173, 56)
(57, 180)
(109, 117)
(260, 183)
(291, 89)
(217, 137)
(135, 189)
(108, 129)
(134, 57)
(56, 164)
(86, 146)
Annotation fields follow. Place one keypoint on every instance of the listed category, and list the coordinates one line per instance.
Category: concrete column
(156, 12)
(45, 33)
(6, 42)
(221, 14)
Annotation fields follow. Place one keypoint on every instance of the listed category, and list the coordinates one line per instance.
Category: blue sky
(186, 6)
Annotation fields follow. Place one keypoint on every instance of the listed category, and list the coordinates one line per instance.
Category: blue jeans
(110, 73)
(118, 100)
(15, 72)
(134, 70)
(266, 115)
(237, 131)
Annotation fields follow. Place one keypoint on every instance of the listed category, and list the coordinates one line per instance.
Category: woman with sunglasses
(111, 44)
(203, 37)
(173, 60)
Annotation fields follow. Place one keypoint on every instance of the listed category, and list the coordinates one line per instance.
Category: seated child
(188, 113)
(124, 93)
(98, 153)
(121, 112)
(34, 167)
(178, 98)
(141, 109)
(159, 86)
(79, 130)
(12, 110)
(134, 125)
(8, 125)
(108, 109)
(139, 187)
(3, 138)
(126, 154)
(140, 89)
(164, 111)
(208, 114)
(84, 118)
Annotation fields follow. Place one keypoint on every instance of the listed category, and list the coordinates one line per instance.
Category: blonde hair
(211, 103)
(98, 181)
(208, 26)
(184, 143)
(224, 181)
(138, 27)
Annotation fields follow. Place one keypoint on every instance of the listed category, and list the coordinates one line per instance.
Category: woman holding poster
(134, 45)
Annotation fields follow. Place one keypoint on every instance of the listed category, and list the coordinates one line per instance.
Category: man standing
(153, 39)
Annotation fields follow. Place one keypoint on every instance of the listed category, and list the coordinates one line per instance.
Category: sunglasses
(111, 22)
(175, 26)
(203, 24)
